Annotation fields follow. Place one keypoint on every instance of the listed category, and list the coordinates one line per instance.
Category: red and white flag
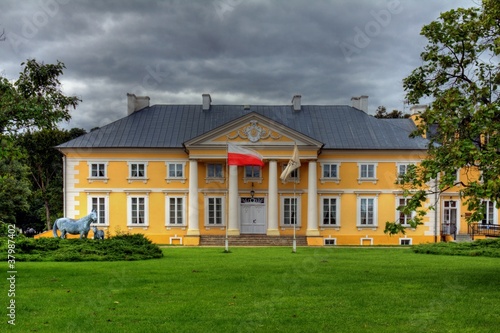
(237, 155)
(293, 164)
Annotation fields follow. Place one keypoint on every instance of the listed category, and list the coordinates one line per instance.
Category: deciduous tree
(460, 74)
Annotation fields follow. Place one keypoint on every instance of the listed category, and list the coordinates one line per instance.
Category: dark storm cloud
(243, 52)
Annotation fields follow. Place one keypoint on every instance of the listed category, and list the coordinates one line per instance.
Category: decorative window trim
(144, 178)
(362, 239)
(373, 179)
(104, 178)
(290, 179)
(330, 179)
(373, 226)
(408, 241)
(138, 194)
(181, 179)
(207, 211)
(329, 241)
(252, 179)
(90, 197)
(397, 215)
(486, 219)
(168, 223)
(209, 179)
(282, 210)
(337, 213)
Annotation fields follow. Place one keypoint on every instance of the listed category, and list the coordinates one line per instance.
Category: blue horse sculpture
(74, 227)
(98, 234)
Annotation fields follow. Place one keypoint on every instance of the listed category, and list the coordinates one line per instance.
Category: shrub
(121, 247)
(483, 247)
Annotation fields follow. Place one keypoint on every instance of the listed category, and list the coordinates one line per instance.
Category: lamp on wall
(252, 192)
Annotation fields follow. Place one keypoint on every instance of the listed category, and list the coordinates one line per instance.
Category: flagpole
(226, 240)
(294, 243)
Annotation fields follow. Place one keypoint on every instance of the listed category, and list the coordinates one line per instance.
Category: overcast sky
(239, 51)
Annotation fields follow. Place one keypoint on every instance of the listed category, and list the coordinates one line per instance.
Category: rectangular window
(175, 170)
(330, 170)
(402, 217)
(252, 171)
(489, 209)
(99, 205)
(329, 212)
(98, 170)
(138, 211)
(214, 170)
(366, 171)
(294, 175)
(367, 211)
(215, 211)
(137, 170)
(405, 241)
(175, 211)
(330, 241)
(290, 211)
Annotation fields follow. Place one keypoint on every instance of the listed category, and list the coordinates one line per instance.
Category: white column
(272, 204)
(233, 223)
(193, 212)
(312, 200)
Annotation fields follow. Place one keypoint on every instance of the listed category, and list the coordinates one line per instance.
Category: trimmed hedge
(120, 247)
(482, 247)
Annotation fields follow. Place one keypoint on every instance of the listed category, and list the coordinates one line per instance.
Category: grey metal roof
(169, 126)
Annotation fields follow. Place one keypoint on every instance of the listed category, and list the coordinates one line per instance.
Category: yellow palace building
(162, 171)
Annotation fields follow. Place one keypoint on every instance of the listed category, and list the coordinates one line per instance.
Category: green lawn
(261, 290)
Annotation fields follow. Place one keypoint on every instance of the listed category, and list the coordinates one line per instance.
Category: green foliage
(14, 187)
(123, 247)
(46, 170)
(482, 247)
(35, 100)
(460, 73)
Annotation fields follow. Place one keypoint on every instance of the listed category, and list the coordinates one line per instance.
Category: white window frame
(131, 177)
(294, 175)
(213, 178)
(366, 178)
(297, 213)
(98, 177)
(222, 211)
(359, 216)
(130, 198)
(406, 240)
(182, 177)
(100, 215)
(335, 179)
(253, 177)
(398, 213)
(182, 212)
(490, 220)
(329, 241)
(337, 211)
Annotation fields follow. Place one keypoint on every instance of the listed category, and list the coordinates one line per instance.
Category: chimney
(135, 103)
(417, 109)
(360, 103)
(207, 101)
(296, 102)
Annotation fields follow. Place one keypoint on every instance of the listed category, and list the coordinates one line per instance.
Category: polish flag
(237, 155)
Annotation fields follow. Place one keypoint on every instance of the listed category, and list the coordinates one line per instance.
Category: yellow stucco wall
(157, 188)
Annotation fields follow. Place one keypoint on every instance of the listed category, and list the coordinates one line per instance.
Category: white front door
(253, 216)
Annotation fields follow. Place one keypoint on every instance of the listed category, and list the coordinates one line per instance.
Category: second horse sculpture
(74, 227)
(98, 234)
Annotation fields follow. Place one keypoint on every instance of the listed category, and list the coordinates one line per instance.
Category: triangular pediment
(272, 139)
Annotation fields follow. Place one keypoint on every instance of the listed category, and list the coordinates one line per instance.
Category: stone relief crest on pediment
(254, 132)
